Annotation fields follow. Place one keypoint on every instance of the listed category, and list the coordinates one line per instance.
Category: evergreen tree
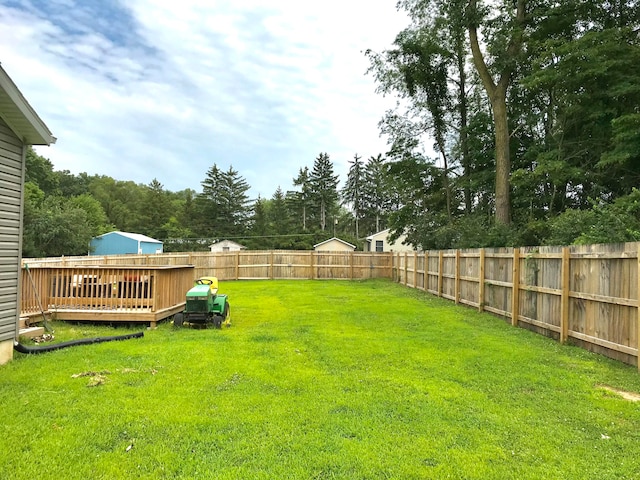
(260, 219)
(376, 195)
(234, 203)
(279, 216)
(299, 200)
(352, 193)
(156, 210)
(323, 190)
(224, 203)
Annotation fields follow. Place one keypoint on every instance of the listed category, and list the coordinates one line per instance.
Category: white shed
(20, 126)
(226, 246)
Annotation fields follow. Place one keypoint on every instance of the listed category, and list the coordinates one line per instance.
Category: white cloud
(262, 85)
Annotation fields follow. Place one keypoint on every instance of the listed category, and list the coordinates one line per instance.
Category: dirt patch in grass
(631, 396)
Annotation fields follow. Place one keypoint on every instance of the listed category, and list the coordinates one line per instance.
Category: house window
(225, 249)
(379, 246)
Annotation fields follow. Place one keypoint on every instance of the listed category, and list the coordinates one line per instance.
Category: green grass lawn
(320, 379)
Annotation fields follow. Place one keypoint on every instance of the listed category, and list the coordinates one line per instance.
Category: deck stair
(31, 332)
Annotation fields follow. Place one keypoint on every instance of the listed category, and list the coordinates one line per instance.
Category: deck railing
(115, 293)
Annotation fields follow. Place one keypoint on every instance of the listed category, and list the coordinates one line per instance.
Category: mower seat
(211, 281)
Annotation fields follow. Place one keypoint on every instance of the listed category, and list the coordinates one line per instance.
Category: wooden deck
(105, 293)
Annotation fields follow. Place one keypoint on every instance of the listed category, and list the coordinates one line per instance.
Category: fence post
(271, 265)
(638, 320)
(426, 270)
(396, 268)
(456, 287)
(515, 291)
(406, 270)
(238, 265)
(351, 265)
(564, 302)
(481, 281)
(415, 269)
(440, 267)
(312, 267)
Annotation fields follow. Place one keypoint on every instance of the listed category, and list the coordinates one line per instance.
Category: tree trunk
(445, 172)
(464, 134)
(497, 93)
(503, 159)
(304, 218)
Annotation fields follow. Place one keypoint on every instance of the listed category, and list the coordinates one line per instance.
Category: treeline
(531, 108)
(63, 211)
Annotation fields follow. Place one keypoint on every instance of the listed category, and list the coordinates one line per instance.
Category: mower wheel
(227, 318)
(217, 321)
(178, 320)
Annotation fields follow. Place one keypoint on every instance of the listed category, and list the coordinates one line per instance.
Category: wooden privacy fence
(586, 294)
(252, 265)
(108, 293)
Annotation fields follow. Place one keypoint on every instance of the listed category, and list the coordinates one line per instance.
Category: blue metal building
(119, 243)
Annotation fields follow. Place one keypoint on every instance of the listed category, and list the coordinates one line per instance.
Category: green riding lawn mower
(204, 306)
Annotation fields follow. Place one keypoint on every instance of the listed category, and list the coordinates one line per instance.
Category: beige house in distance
(334, 245)
(379, 242)
(20, 126)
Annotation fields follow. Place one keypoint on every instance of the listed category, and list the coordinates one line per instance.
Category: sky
(165, 89)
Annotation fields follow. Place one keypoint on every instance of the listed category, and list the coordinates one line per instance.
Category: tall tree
(376, 194)
(504, 61)
(279, 216)
(39, 170)
(260, 221)
(323, 189)
(156, 210)
(298, 200)
(224, 203)
(429, 52)
(121, 201)
(428, 68)
(235, 202)
(352, 192)
(56, 227)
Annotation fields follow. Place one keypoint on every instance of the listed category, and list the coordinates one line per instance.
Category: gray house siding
(11, 181)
